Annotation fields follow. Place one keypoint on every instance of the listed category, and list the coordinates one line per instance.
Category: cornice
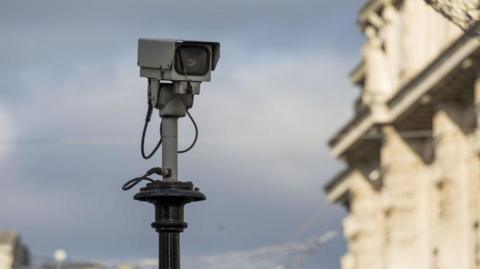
(406, 96)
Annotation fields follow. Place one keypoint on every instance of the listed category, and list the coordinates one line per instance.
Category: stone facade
(412, 151)
(13, 254)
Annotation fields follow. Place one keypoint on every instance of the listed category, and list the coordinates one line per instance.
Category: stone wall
(425, 214)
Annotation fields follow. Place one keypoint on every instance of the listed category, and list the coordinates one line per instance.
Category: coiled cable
(148, 117)
(196, 134)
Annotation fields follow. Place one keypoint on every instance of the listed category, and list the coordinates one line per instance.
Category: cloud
(6, 132)
(261, 145)
(179, 15)
(276, 111)
(77, 105)
(43, 33)
(280, 256)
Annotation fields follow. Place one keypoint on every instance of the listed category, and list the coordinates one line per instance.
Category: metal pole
(169, 242)
(170, 195)
(169, 251)
(170, 147)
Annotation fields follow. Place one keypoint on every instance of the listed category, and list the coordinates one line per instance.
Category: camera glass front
(192, 60)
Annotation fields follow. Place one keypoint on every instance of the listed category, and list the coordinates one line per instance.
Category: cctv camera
(179, 61)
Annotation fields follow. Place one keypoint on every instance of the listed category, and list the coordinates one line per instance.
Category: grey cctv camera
(174, 69)
(185, 63)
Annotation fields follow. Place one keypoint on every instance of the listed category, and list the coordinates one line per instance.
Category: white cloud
(261, 157)
(279, 256)
(263, 128)
(6, 132)
(270, 116)
(278, 111)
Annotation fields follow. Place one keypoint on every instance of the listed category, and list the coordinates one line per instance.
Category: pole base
(169, 199)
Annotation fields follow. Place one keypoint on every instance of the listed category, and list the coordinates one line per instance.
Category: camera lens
(192, 60)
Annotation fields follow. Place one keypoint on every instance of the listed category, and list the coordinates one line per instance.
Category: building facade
(73, 265)
(412, 150)
(13, 253)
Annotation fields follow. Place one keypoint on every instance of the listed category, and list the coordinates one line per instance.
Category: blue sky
(72, 107)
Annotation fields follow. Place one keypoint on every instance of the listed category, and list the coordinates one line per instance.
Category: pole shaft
(169, 251)
(170, 146)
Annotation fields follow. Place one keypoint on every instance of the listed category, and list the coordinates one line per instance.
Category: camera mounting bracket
(167, 100)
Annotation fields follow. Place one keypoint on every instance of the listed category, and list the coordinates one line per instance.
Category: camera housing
(177, 60)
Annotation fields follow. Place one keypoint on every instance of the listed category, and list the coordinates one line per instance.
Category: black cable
(134, 181)
(190, 91)
(196, 134)
(148, 117)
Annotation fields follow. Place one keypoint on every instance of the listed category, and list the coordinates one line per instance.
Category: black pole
(169, 237)
(169, 198)
(169, 251)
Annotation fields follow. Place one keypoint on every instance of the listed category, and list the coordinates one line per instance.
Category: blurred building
(126, 265)
(412, 150)
(73, 265)
(13, 253)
